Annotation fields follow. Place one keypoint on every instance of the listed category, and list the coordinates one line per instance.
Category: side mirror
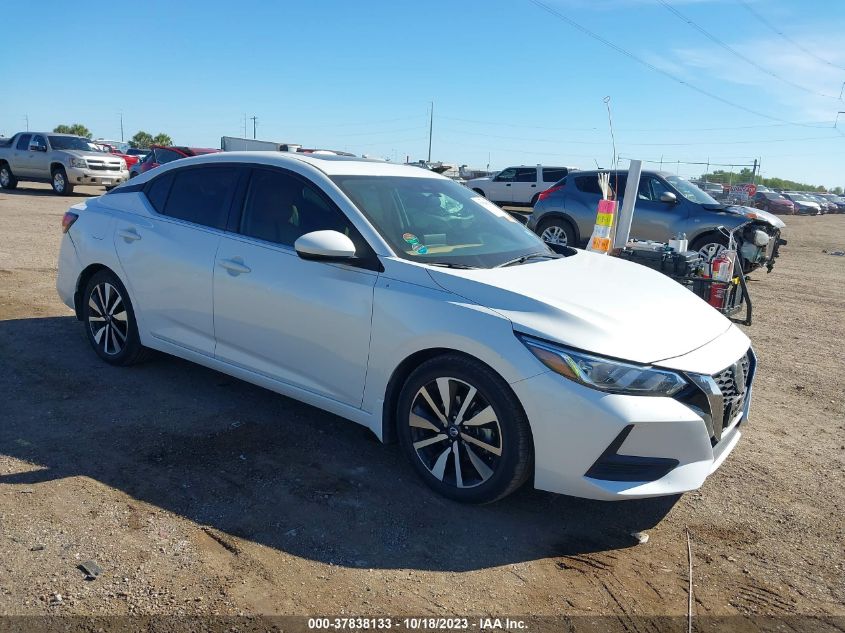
(668, 197)
(324, 246)
(37, 148)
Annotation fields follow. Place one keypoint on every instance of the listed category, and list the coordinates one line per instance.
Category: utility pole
(26, 118)
(244, 124)
(430, 129)
(835, 121)
(121, 126)
(754, 173)
(254, 119)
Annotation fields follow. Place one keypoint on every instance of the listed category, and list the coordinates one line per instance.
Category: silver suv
(666, 206)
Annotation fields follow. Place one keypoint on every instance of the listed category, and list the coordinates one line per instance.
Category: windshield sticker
(410, 238)
(492, 208)
(419, 248)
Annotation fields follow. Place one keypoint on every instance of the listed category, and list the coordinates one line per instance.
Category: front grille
(101, 166)
(721, 397)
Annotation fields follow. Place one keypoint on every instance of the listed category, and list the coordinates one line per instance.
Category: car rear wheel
(110, 320)
(7, 180)
(60, 183)
(463, 430)
(556, 231)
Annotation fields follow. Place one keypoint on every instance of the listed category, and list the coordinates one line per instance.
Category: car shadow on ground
(22, 190)
(257, 465)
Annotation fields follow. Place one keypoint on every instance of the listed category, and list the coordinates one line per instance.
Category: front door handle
(508, 185)
(130, 235)
(234, 266)
(533, 185)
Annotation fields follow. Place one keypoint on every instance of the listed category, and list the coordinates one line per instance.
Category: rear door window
(553, 174)
(202, 195)
(526, 174)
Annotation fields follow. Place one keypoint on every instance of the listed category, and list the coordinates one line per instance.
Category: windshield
(71, 142)
(774, 196)
(690, 191)
(798, 196)
(434, 220)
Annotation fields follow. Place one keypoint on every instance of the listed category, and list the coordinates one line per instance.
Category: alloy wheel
(59, 181)
(4, 177)
(455, 432)
(554, 235)
(107, 319)
(709, 251)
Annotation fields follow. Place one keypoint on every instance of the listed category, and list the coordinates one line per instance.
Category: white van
(519, 185)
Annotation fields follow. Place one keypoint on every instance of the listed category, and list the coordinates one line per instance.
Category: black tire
(556, 231)
(709, 245)
(7, 179)
(61, 185)
(117, 342)
(481, 475)
(479, 192)
(109, 187)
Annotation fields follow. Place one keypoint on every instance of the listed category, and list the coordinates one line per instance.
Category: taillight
(68, 219)
(545, 194)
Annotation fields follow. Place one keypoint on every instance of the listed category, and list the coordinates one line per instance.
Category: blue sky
(512, 83)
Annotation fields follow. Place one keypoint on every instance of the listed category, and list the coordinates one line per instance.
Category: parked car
(667, 205)
(397, 298)
(137, 151)
(161, 155)
(803, 204)
(826, 205)
(714, 189)
(837, 201)
(111, 149)
(63, 160)
(518, 185)
(773, 202)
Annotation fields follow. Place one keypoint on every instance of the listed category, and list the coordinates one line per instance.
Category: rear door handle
(130, 235)
(508, 185)
(533, 185)
(233, 266)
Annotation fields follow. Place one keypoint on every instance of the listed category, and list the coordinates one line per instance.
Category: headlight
(78, 162)
(605, 374)
(122, 164)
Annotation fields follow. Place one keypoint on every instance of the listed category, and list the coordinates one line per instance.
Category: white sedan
(405, 302)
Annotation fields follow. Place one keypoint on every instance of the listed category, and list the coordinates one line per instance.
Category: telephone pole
(26, 118)
(430, 129)
(121, 126)
(254, 119)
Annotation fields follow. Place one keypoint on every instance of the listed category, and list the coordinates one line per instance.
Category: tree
(141, 140)
(162, 139)
(76, 128)
(837, 191)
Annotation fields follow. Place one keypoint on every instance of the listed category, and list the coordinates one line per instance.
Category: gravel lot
(200, 494)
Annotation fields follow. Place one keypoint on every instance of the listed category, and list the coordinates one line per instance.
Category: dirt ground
(200, 494)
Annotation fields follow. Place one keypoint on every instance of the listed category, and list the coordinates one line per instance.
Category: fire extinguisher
(722, 270)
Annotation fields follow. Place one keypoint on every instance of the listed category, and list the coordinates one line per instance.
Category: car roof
(651, 172)
(331, 165)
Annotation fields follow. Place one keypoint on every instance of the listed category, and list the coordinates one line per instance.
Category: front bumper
(612, 447)
(108, 178)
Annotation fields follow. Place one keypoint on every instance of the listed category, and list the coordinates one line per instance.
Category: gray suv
(666, 206)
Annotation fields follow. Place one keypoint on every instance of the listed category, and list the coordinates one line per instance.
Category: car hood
(595, 303)
(78, 153)
(757, 214)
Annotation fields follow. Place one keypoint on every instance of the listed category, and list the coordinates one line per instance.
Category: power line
(650, 66)
(735, 52)
(800, 47)
(811, 124)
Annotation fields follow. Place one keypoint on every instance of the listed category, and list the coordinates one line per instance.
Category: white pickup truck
(63, 160)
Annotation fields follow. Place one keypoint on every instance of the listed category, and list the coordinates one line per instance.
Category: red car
(773, 202)
(159, 155)
(130, 160)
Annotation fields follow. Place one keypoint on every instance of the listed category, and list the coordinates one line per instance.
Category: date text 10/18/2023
(415, 624)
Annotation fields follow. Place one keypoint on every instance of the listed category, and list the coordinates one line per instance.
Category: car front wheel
(60, 183)
(463, 430)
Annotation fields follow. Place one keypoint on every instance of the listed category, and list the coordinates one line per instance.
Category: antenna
(430, 129)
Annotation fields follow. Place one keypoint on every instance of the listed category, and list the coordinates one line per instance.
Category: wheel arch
(54, 164)
(86, 274)
(401, 373)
